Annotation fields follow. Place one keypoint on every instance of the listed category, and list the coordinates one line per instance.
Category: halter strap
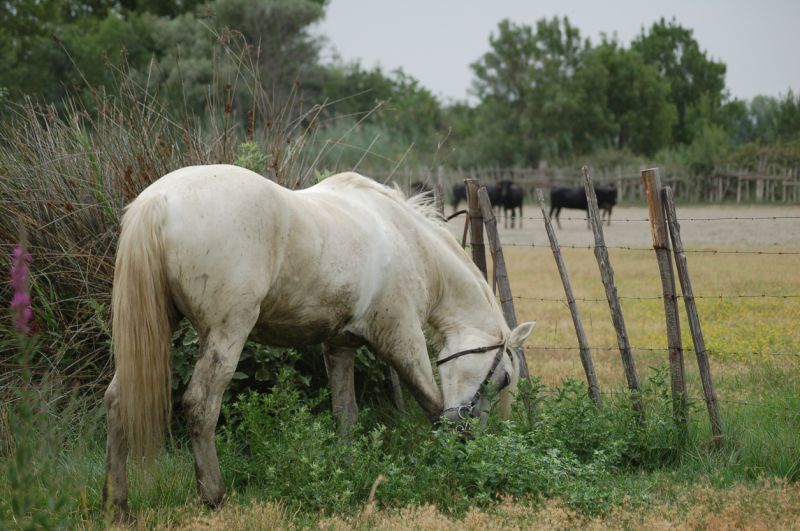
(470, 351)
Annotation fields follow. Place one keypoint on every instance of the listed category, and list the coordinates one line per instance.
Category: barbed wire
(554, 393)
(629, 220)
(700, 400)
(666, 349)
(649, 249)
(660, 297)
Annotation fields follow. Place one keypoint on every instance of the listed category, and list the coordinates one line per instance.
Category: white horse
(347, 262)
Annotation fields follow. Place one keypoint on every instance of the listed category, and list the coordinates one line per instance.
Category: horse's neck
(466, 306)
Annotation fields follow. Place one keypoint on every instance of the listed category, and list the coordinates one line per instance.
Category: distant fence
(773, 184)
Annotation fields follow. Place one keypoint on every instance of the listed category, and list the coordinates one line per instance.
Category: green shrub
(275, 444)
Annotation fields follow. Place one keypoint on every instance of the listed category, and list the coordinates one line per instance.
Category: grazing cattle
(460, 194)
(564, 197)
(511, 198)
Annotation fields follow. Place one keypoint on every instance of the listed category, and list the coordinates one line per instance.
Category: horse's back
(307, 262)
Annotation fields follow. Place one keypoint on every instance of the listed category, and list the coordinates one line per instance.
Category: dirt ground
(630, 227)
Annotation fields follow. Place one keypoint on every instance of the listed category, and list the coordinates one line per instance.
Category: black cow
(563, 197)
(511, 198)
(460, 194)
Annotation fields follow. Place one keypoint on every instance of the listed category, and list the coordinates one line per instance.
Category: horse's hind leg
(339, 362)
(221, 348)
(115, 486)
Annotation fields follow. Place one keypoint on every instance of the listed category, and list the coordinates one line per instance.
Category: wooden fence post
(586, 354)
(658, 226)
(500, 275)
(476, 226)
(500, 272)
(498, 260)
(607, 274)
(694, 318)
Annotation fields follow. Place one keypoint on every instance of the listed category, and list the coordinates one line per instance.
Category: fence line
(767, 183)
(660, 297)
(665, 349)
(650, 249)
(551, 394)
(724, 401)
(731, 218)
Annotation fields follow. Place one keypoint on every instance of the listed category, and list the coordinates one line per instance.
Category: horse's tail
(142, 327)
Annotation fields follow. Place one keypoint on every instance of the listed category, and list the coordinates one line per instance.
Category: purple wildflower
(21, 301)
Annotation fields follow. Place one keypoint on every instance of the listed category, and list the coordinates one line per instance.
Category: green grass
(281, 447)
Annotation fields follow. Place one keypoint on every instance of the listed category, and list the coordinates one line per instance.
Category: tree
(399, 102)
(49, 46)
(529, 75)
(694, 79)
(624, 102)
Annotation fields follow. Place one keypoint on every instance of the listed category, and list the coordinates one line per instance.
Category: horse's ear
(520, 334)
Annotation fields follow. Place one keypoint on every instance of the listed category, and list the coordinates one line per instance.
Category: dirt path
(630, 227)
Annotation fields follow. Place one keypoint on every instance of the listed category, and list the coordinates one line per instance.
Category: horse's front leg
(402, 344)
(339, 363)
(202, 400)
(115, 486)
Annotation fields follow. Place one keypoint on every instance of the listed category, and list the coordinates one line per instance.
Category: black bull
(460, 194)
(563, 197)
(504, 194)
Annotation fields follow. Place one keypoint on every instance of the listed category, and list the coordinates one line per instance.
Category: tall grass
(277, 446)
(65, 176)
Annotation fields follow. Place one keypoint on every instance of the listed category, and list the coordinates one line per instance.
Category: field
(755, 355)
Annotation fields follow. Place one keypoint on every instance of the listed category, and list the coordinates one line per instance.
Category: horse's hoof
(123, 518)
(215, 502)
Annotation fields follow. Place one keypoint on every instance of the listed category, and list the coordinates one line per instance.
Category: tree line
(543, 92)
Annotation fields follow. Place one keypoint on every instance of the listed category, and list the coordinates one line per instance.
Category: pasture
(574, 466)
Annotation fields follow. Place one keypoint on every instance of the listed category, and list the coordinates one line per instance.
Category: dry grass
(766, 505)
(743, 334)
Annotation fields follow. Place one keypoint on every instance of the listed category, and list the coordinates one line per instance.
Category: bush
(275, 444)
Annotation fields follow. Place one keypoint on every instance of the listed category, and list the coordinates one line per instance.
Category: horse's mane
(423, 204)
(420, 206)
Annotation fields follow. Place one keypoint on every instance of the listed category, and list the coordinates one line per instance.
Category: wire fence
(629, 220)
(739, 353)
(614, 394)
(659, 297)
(745, 355)
(650, 249)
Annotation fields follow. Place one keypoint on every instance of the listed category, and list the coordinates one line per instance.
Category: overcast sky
(436, 40)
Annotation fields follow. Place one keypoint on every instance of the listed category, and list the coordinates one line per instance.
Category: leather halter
(466, 410)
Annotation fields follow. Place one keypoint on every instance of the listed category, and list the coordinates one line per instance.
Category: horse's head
(472, 363)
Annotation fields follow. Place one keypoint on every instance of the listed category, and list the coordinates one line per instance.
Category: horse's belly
(286, 330)
(286, 335)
